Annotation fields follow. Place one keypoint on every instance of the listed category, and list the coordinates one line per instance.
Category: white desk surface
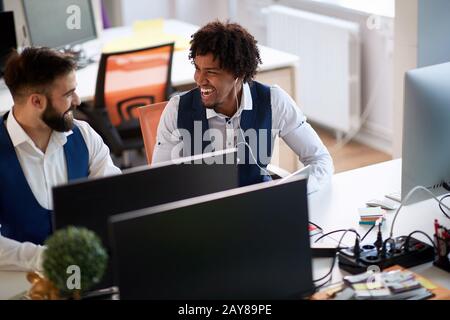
(182, 69)
(335, 207)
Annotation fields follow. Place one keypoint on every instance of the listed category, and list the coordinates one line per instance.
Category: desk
(277, 68)
(335, 207)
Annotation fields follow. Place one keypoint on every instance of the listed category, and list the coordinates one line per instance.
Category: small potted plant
(73, 262)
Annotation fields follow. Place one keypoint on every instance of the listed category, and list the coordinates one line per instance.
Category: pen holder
(443, 255)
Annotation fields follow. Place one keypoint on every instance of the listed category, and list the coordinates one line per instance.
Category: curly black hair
(235, 48)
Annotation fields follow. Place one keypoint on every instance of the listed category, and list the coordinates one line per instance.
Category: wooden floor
(351, 156)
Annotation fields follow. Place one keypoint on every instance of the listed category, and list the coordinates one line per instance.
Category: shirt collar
(246, 104)
(19, 136)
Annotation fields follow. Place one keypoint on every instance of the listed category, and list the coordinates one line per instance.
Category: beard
(214, 106)
(58, 122)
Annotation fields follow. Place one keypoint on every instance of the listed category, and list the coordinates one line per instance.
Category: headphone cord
(242, 134)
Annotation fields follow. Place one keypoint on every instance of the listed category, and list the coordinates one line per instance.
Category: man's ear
(38, 101)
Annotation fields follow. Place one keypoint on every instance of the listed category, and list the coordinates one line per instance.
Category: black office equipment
(247, 243)
(8, 40)
(402, 253)
(89, 203)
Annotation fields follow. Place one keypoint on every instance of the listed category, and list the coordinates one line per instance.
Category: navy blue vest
(191, 110)
(22, 218)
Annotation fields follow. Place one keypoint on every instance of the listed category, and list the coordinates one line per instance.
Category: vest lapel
(77, 156)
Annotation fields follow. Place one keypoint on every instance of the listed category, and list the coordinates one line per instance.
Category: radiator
(328, 84)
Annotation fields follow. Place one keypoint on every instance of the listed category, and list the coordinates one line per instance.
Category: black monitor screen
(56, 24)
(7, 37)
(89, 203)
(248, 243)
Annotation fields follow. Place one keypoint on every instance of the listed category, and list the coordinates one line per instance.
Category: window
(378, 7)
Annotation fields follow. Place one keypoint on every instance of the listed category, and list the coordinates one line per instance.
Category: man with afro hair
(228, 109)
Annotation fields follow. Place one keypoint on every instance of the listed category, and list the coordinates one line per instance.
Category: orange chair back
(131, 79)
(149, 119)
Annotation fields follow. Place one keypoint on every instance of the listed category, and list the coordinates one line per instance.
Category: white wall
(141, 10)
(250, 16)
(200, 12)
(377, 62)
(406, 48)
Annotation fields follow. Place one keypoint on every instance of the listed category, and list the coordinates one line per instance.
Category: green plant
(77, 247)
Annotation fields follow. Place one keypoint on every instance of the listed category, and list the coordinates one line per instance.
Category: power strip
(418, 253)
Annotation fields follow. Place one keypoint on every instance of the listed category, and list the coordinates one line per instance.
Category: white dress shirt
(43, 171)
(288, 122)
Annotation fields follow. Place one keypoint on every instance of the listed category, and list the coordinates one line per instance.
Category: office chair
(126, 81)
(149, 119)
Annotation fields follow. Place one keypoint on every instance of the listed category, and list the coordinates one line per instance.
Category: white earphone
(242, 135)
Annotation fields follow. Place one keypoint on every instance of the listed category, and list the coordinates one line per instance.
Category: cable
(330, 273)
(367, 233)
(440, 205)
(370, 106)
(371, 102)
(391, 234)
(423, 233)
(335, 231)
(316, 225)
(322, 285)
(251, 153)
(384, 248)
(243, 137)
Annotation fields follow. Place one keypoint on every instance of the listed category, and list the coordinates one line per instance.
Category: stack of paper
(371, 215)
(392, 285)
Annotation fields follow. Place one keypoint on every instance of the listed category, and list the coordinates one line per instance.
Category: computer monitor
(57, 24)
(8, 40)
(89, 202)
(426, 131)
(247, 243)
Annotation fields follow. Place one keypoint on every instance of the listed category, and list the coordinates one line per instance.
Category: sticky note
(426, 283)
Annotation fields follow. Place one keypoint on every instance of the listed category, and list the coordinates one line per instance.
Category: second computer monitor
(247, 243)
(426, 131)
(61, 23)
